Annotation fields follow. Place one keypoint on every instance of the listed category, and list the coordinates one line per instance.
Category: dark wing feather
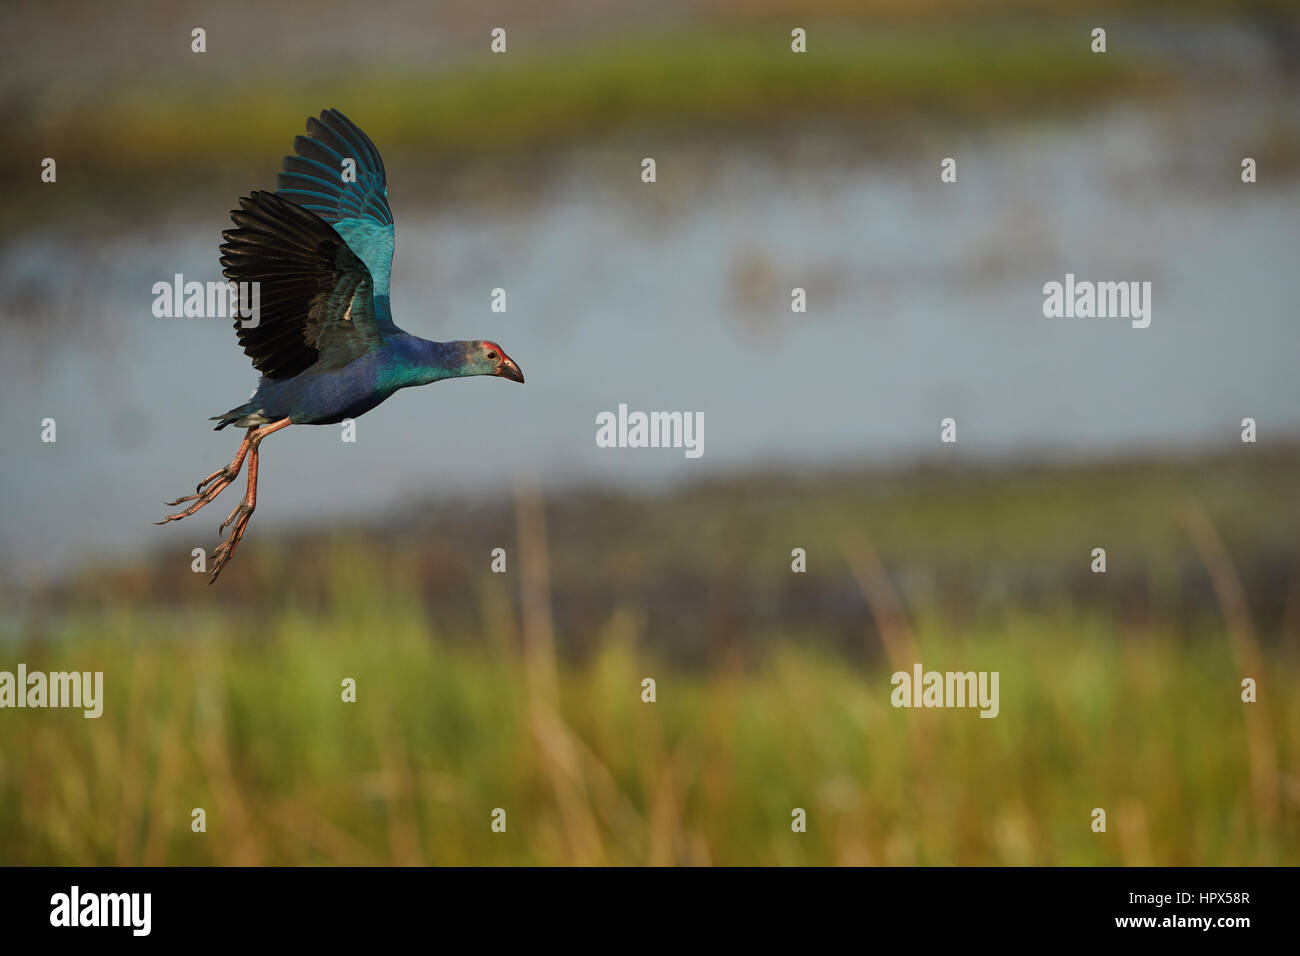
(314, 177)
(356, 208)
(316, 296)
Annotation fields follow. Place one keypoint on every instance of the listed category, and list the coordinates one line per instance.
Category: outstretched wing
(351, 197)
(316, 297)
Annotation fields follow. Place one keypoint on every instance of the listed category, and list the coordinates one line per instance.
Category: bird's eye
(492, 354)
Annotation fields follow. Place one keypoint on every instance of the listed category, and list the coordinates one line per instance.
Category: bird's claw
(226, 550)
(244, 508)
(200, 498)
(225, 474)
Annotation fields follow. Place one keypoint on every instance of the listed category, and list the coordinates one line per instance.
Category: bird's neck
(420, 361)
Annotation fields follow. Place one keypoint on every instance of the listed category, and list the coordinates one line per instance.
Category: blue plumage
(320, 250)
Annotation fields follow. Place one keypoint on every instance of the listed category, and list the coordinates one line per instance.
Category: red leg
(222, 478)
(242, 512)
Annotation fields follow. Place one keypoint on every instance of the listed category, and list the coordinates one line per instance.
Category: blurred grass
(704, 76)
(248, 724)
(205, 126)
(713, 559)
(483, 698)
(690, 79)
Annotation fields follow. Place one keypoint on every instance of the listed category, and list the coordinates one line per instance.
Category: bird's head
(488, 358)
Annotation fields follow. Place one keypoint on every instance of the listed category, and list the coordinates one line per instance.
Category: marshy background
(522, 690)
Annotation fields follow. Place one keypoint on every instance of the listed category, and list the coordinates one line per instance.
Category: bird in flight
(320, 250)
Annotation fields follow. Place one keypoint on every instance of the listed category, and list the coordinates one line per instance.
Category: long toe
(200, 500)
(242, 510)
(226, 550)
(226, 473)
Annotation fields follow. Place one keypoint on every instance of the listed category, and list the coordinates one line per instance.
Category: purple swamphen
(320, 249)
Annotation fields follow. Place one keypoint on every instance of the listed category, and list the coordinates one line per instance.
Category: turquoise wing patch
(337, 173)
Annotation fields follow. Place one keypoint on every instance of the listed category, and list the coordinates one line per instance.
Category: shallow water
(925, 301)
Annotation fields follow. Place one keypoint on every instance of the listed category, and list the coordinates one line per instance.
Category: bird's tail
(245, 416)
